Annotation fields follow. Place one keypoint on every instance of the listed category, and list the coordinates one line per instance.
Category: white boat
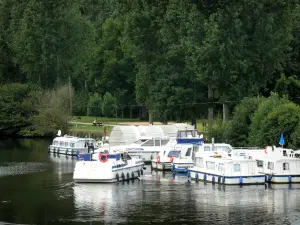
(107, 168)
(186, 158)
(225, 170)
(149, 148)
(280, 165)
(70, 145)
(164, 159)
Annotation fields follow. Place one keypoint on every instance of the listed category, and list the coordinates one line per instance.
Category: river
(37, 188)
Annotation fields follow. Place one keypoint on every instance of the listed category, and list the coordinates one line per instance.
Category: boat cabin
(226, 166)
(73, 142)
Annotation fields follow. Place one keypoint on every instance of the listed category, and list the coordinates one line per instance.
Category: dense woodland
(235, 63)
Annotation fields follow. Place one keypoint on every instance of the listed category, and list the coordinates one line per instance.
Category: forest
(235, 64)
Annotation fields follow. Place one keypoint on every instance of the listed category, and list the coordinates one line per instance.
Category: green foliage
(289, 86)
(241, 121)
(109, 105)
(274, 115)
(219, 131)
(95, 104)
(17, 107)
(53, 112)
(80, 103)
(295, 138)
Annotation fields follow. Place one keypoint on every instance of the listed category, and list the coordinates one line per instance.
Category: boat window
(66, 144)
(72, 144)
(174, 153)
(55, 143)
(222, 148)
(221, 166)
(148, 143)
(270, 165)
(260, 163)
(210, 165)
(286, 166)
(61, 143)
(196, 148)
(157, 142)
(139, 142)
(284, 153)
(189, 134)
(242, 153)
(199, 162)
(164, 142)
(182, 134)
(188, 152)
(206, 148)
(237, 167)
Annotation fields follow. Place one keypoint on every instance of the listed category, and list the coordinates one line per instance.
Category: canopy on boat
(151, 131)
(123, 135)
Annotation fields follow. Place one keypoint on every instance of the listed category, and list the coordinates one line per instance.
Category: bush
(18, 105)
(95, 105)
(282, 118)
(256, 135)
(239, 125)
(109, 105)
(219, 131)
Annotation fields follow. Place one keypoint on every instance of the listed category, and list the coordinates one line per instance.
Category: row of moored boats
(215, 163)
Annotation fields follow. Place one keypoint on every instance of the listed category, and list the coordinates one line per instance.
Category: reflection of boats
(228, 170)
(108, 168)
(70, 145)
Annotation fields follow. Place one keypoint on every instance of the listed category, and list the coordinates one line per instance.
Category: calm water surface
(37, 188)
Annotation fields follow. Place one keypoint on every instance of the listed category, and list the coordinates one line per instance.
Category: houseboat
(225, 170)
(165, 158)
(107, 168)
(70, 145)
(279, 165)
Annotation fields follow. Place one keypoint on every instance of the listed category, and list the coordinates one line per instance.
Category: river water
(37, 188)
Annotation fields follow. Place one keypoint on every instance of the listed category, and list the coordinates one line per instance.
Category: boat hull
(147, 156)
(98, 172)
(68, 151)
(161, 166)
(282, 179)
(181, 167)
(228, 180)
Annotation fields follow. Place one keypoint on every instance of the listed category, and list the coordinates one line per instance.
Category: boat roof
(67, 138)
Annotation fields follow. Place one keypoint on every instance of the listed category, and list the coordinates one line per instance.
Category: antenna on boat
(58, 133)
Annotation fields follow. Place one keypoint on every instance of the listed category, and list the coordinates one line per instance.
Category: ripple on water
(19, 168)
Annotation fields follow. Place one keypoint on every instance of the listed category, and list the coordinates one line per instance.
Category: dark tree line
(169, 59)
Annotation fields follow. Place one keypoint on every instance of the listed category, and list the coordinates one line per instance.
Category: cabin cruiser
(164, 159)
(71, 145)
(107, 167)
(279, 165)
(225, 170)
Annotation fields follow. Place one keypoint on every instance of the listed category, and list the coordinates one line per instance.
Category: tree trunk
(122, 112)
(130, 112)
(210, 105)
(70, 94)
(150, 117)
(225, 112)
(86, 98)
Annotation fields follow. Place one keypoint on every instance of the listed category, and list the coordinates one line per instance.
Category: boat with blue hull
(225, 170)
(107, 168)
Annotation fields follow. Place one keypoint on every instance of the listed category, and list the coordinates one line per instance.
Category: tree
(109, 105)
(259, 122)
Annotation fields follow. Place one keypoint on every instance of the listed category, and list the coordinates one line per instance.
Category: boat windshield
(140, 141)
(174, 153)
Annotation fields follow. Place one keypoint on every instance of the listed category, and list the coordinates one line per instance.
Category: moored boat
(280, 165)
(71, 145)
(107, 168)
(229, 170)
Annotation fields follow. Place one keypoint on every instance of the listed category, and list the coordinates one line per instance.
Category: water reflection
(37, 188)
